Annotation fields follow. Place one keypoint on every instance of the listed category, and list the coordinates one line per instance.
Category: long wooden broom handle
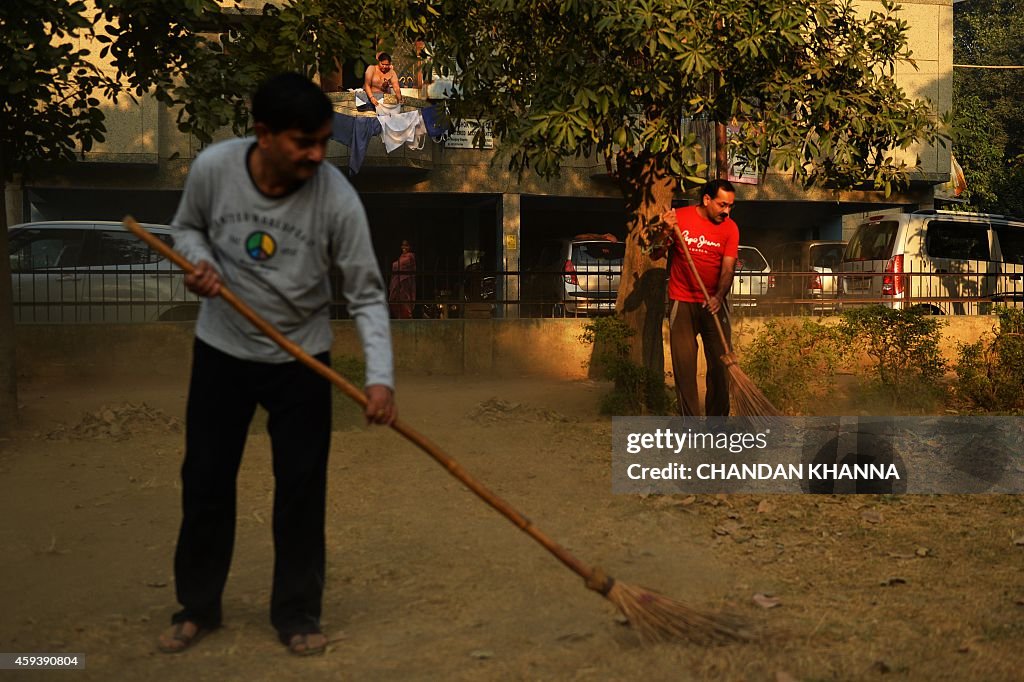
(700, 283)
(453, 467)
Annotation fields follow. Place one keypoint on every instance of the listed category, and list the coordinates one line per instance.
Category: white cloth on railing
(401, 128)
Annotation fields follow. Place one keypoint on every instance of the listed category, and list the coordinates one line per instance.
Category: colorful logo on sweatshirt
(260, 246)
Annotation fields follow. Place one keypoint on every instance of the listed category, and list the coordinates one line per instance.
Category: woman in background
(402, 292)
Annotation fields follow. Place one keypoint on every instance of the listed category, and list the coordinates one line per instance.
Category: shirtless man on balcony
(380, 80)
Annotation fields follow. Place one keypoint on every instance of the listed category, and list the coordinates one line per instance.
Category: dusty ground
(426, 583)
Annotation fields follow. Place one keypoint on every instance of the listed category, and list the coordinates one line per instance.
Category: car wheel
(928, 309)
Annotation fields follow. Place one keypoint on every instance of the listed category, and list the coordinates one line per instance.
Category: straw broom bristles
(657, 618)
(747, 398)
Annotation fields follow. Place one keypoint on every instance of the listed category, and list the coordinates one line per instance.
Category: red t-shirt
(708, 244)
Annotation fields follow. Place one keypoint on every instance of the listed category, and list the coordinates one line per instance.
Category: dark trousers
(686, 321)
(223, 396)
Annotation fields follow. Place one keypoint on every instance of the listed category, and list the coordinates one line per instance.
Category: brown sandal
(179, 637)
(307, 644)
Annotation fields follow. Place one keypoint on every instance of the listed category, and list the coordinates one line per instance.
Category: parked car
(805, 271)
(752, 281)
(948, 263)
(577, 276)
(71, 271)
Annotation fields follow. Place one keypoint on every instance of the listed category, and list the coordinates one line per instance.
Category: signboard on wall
(462, 136)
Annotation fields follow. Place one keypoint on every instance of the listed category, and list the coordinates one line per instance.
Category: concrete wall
(499, 348)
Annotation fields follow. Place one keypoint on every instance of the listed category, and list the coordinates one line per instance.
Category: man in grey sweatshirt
(266, 217)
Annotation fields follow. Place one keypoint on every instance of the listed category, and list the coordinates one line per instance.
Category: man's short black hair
(712, 188)
(290, 100)
(383, 57)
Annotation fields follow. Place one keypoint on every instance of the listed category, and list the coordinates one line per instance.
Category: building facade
(460, 206)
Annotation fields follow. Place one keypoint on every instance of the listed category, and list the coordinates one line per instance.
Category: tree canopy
(808, 86)
(196, 55)
(206, 58)
(50, 109)
(989, 115)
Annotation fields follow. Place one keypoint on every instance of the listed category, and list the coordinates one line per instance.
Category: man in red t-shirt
(713, 239)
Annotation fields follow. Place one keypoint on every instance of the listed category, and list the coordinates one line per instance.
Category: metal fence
(146, 293)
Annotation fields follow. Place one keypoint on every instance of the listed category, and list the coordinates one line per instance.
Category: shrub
(794, 363)
(903, 346)
(990, 373)
(637, 390)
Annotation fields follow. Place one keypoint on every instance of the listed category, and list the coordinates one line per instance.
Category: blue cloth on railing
(432, 119)
(355, 133)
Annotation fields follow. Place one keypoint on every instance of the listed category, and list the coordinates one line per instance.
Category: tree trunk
(721, 152)
(8, 386)
(648, 190)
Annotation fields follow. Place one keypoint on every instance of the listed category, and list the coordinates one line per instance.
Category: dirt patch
(118, 422)
(427, 583)
(495, 410)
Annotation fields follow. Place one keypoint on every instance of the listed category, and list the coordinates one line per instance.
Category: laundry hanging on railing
(396, 124)
(355, 133)
(401, 128)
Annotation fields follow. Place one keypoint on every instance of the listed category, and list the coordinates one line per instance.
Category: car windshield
(750, 260)
(873, 241)
(826, 255)
(34, 249)
(598, 253)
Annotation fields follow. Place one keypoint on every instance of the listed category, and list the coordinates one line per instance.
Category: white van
(949, 263)
(78, 271)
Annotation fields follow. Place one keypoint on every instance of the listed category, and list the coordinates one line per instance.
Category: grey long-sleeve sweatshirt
(275, 253)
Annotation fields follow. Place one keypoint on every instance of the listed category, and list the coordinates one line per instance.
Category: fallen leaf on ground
(968, 645)
(766, 601)
(902, 555)
(881, 667)
(728, 528)
(871, 516)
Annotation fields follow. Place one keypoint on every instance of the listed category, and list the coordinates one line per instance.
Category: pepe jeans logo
(700, 241)
(260, 246)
